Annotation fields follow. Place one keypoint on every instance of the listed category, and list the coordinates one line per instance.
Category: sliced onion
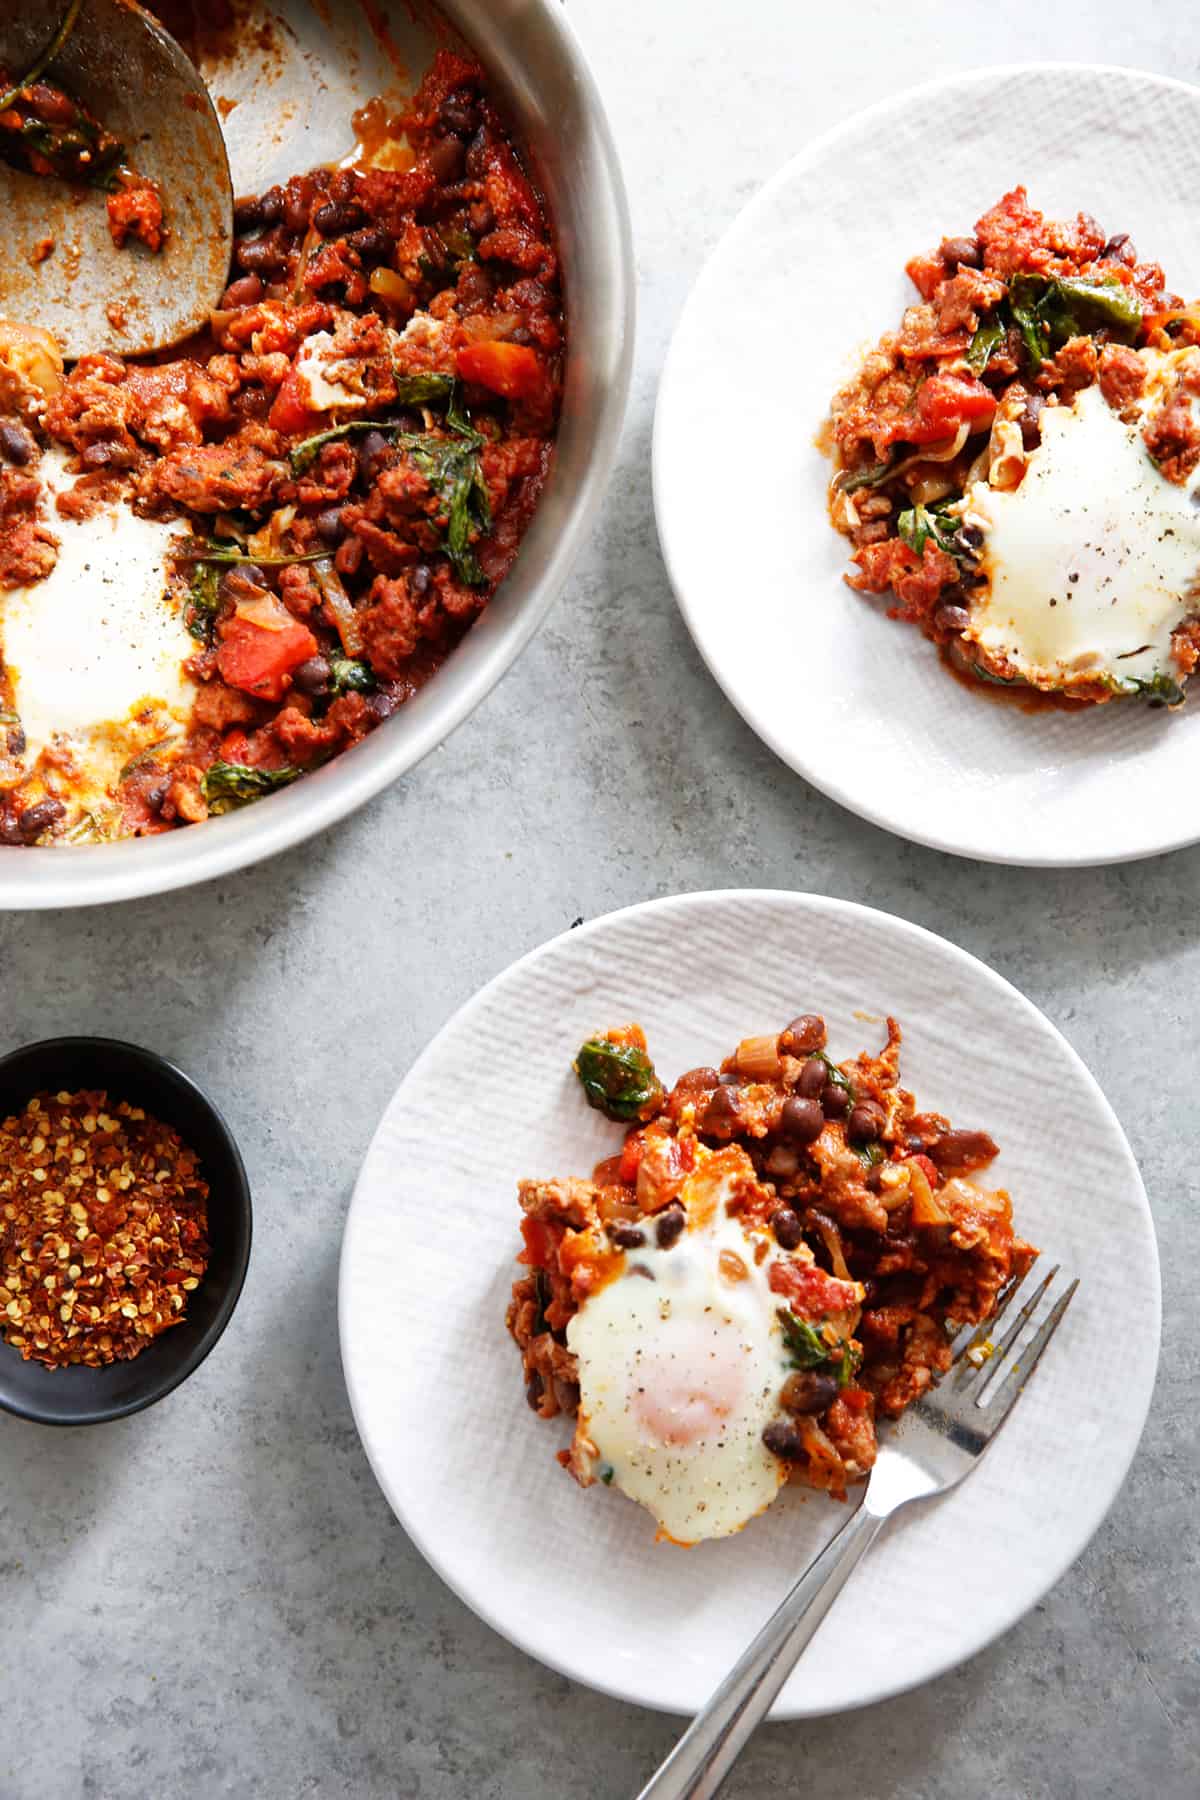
(340, 605)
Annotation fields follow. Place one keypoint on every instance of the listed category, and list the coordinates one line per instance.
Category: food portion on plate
(1018, 464)
(103, 1229)
(219, 570)
(778, 1257)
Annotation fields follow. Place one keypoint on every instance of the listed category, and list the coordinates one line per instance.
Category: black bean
(335, 217)
(248, 213)
(802, 1120)
(951, 617)
(16, 443)
(17, 740)
(270, 206)
(781, 1162)
(371, 446)
(723, 1113)
(534, 1389)
(787, 1228)
(627, 1237)
(865, 1123)
(382, 704)
(807, 1392)
(419, 580)
(1121, 249)
(668, 1227)
(812, 1078)
(783, 1440)
(447, 158)
(312, 677)
(694, 1081)
(803, 1035)
(247, 290)
(10, 827)
(261, 255)
(297, 203)
(1030, 421)
(460, 116)
(971, 535)
(835, 1101)
(330, 526)
(156, 796)
(730, 1078)
(38, 818)
(957, 250)
(373, 243)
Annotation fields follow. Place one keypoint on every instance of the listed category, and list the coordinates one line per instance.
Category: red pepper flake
(103, 1229)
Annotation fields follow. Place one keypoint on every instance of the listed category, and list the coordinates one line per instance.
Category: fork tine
(988, 1371)
(974, 1336)
(1005, 1393)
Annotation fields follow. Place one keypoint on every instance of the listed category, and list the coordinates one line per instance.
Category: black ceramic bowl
(82, 1396)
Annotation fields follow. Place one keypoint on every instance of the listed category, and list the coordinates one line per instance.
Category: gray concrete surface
(213, 1598)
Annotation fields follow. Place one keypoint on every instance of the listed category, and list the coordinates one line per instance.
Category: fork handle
(708, 1749)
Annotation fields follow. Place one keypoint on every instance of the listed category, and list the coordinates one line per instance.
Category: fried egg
(1091, 561)
(681, 1360)
(95, 652)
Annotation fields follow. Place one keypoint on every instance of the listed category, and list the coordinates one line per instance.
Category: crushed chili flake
(103, 1229)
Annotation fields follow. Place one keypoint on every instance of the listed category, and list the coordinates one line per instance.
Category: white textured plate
(576, 1578)
(805, 280)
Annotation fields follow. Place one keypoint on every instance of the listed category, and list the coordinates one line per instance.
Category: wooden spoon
(130, 74)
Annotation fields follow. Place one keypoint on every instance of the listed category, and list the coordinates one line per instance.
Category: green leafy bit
(1050, 309)
(870, 1155)
(412, 389)
(452, 468)
(203, 584)
(809, 1348)
(605, 1472)
(836, 1078)
(917, 524)
(871, 476)
(989, 335)
(350, 676)
(619, 1080)
(982, 674)
(1161, 688)
(8, 717)
(213, 550)
(227, 785)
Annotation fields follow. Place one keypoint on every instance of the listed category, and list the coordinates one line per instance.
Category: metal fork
(938, 1442)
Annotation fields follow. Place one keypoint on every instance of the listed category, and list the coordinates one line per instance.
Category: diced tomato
(926, 274)
(260, 660)
(932, 1172)
(541, 1242)
(631, 1156)
(856, 1398)
(290, 413)
(235, 748)
(513, 370)
(946, 401)
(940, 406)
(811, 1293)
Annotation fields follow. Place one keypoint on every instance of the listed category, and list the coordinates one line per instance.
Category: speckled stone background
(213, 1598)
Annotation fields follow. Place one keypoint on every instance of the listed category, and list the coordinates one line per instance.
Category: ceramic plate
(809, 276)
(576, 1578)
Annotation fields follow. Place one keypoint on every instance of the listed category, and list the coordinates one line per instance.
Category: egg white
(96, 651)
(680, 1370)
(1091, 560)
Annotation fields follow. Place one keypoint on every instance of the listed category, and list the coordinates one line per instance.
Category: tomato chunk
(290, 413)
(939, 406)
(927, 274)
(513, 370)
(813, 1295)
(260, 661)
